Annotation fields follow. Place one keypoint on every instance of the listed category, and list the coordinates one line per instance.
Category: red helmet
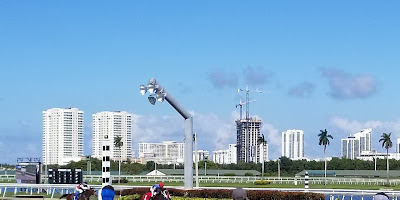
(161, 184)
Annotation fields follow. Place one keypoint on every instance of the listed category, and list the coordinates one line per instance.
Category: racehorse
(163, 195)
(84, 196)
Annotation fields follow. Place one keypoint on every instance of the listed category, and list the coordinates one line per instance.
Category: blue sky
(322, 64)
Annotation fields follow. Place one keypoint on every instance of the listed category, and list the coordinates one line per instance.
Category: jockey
(156, 189)
(82, 187)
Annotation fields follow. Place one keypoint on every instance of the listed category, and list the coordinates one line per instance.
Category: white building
(247, 134)
(113, 124)
(352, 146)
(203, 155)
(167, 152)
(62, 136)
(398, 145)
(365, 139)
(372, 155)
(226, 156)
(293, 144)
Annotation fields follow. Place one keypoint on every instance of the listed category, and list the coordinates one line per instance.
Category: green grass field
(251, 185)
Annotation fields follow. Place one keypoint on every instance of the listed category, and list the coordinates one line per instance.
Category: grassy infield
(247, 185)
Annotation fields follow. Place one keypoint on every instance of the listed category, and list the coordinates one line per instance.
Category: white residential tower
(62, 136)
(293, 144)
(113, 124)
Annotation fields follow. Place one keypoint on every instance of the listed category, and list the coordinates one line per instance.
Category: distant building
(113, 124)
(62, 136)
(398, 145)
(372, 155)
(352, 146)
(247, 134)
(226, 156)
(167, 152)
(203, 155)
(293, 144)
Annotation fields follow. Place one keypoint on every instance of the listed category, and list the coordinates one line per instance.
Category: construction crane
(241, 104)
(247, 134)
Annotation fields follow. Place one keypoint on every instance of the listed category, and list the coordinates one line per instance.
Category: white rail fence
(52, 189)
(234, 179)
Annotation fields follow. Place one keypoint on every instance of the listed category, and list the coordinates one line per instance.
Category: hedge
(226, 194)
(262, 182)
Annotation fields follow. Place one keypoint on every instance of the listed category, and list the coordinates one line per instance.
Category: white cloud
(274, 140)
(213, 131)
(378, 127)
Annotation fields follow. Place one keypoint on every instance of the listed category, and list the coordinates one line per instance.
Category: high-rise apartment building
(113, 124)
(62, 136)
(203, 155)
(226, 156)
(365, 139)
(352, 146)
(293, 144)
(167, 152)
(247, 135)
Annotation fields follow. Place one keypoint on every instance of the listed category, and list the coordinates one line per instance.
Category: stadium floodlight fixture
(158, 93)
(152, 99)
(143, 89)
(150, 87)
(160, 96)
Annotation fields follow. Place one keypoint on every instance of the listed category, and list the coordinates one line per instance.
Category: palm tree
(324, 140)
(261, 141)
(387, 143)
(118, 144)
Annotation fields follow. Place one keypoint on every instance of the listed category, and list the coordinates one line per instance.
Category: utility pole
(247, 133)
(196, 159)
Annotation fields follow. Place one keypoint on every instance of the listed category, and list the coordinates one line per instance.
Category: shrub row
(220, 194)
(262, 182)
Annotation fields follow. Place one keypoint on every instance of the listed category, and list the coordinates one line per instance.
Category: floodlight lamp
(152, 99)
(150, 88)
(160, 97)
(143, 89)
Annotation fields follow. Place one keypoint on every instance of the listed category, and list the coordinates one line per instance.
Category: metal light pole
(196, 159)
(159, 95)
(279, 169)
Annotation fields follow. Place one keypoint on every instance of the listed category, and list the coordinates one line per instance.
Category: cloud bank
(220, 79)
(254, 76)
(347, 86)
(304, 89)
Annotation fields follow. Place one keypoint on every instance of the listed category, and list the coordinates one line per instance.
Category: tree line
(288, 167)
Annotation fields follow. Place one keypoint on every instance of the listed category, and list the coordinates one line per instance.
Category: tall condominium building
(247, 134)
(352, 146)
(167, 152)
(62, 136)
(226, 156)
(113, 124)
(293, 144)
(203, 155)
(365, 139)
